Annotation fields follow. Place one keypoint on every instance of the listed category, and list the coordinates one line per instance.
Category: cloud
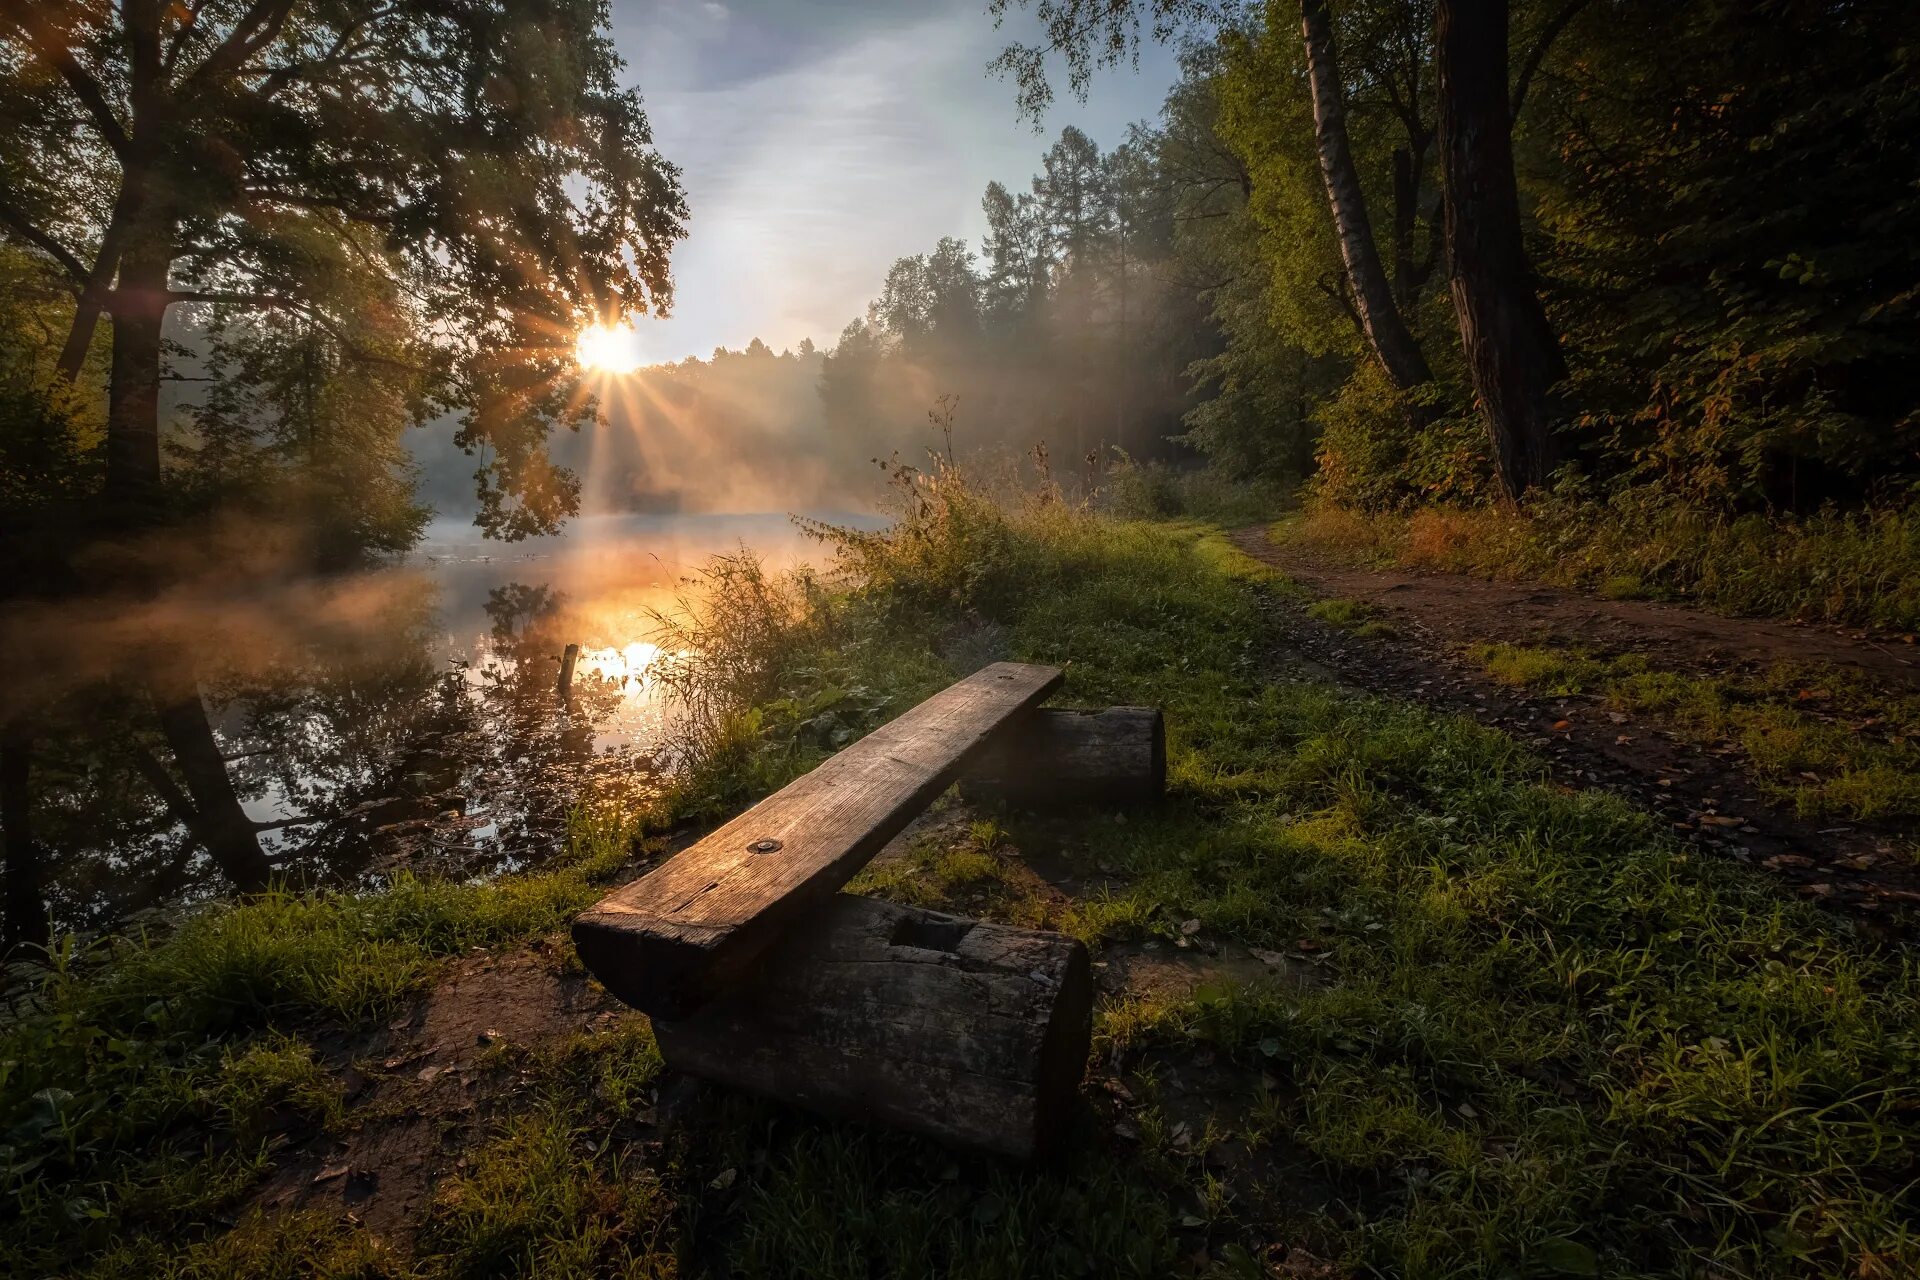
(821, 140)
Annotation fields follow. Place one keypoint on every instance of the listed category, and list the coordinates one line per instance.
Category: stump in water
(969, 1032)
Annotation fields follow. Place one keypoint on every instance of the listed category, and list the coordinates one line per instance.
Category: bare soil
(1862, 869)
(420, 1090)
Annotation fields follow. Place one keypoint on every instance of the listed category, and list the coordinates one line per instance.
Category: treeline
(1454, 250)
(1072, 327)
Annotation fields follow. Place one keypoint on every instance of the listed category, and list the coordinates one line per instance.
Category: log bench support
(758, 974)
(968, 1032)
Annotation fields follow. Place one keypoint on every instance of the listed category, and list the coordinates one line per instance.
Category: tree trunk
(1512, 353)
(23, 911)
(139, 307)
(224, 827)
(1380, 319)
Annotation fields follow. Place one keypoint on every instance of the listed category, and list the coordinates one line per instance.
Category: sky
(819, 140)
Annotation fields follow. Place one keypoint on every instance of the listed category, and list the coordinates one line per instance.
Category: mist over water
(402, 717)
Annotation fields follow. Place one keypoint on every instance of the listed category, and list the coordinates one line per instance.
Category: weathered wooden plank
(968, 1032)
(1054, 756)
(685, 931)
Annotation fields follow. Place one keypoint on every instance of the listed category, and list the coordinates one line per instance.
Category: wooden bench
(758, 974)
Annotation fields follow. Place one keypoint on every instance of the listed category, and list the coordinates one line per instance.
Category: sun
(609, 348)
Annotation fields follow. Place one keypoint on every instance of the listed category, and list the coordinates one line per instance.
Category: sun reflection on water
(630, 666)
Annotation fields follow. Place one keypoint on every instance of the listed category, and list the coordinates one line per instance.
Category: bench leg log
(968, 1032)
(1054, 757)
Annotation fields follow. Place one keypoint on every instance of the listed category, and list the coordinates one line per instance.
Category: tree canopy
(474, 167)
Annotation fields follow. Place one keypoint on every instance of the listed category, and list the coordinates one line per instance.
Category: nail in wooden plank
(674, 938)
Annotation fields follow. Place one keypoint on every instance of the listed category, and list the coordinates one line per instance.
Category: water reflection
(423, 729)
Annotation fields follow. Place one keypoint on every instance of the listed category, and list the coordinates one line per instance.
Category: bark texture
(968, 1032)
(139, 308)
(1512, 354)
(1380, 319)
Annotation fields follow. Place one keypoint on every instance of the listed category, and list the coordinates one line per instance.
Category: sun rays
(609, 349)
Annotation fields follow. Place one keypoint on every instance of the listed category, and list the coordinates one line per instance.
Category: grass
(1856, 569)
(1817, 738)
(1546, 1039)
(1357, 616)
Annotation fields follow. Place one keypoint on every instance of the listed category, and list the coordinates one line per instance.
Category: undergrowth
(1857, 569)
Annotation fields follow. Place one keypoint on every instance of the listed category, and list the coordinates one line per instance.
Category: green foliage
(1539, 1037)
(1154, 490)
(1352, 615)
(1735, 239)
(1861, 568)
(480, 161)
(138, 1088)
(536, 1201)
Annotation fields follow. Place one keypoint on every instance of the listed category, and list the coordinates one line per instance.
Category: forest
(1483, 435)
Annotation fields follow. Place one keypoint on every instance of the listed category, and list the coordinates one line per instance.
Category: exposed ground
(1415, 635)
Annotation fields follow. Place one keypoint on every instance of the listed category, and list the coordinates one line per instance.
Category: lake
(406, 717)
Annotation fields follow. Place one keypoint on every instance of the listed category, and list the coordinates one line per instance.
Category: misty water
(408, 717)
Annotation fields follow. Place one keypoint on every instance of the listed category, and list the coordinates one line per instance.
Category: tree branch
(28, 18)
(269, 301)
(15, 217)
(175, 800)
(1536, 55)
(253, 31)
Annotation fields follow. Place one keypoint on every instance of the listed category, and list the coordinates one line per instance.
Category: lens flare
(605, 348)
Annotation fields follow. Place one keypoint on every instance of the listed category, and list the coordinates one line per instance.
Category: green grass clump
(1819, 739)
(137, 1092)
(539, 1200)
(1357, 616)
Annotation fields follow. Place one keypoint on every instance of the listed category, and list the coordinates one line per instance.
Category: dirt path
(1862, 868)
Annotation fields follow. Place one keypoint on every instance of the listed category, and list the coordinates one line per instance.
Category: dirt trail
(1863, 868)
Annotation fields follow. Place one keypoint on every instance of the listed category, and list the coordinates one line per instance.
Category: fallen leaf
(724, 1180)
(1267, 957)
(1720, 820)
(1558, 725)
(1189, 927)
(331, 1172)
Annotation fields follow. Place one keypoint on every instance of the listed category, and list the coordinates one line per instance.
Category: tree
(1016, 253)
(1097, 33)
(1372, 296)
(241, 151)
(1513, 356)
(479, 156)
